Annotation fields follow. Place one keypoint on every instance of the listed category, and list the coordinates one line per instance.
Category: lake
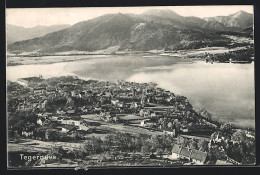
(225, 90)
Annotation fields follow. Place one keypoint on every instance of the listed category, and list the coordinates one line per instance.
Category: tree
(216, 153)
(49, 135)
(155, 142)
(226, 128)
(159, 152)
(239, 136)
(182, 141)
(145, 150)
(103, 159)
(193, 143)
(167, 151)
(202, 145)
(94, 145)
(243, 149)
(170, 125)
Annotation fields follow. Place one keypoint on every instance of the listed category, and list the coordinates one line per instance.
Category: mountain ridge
(16, 33)
(154, 29)
(240, 19)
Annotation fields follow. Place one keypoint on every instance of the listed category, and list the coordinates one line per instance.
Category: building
(195, 156)
(114, 102)
(144, 113)
(176, 151)
(198, 157)
(39, 90)
(222, 162)
(67, 128)
(40, 121)
(170, 132)
(84, 128)
(144, 122)
(73, 122)
(27, 133)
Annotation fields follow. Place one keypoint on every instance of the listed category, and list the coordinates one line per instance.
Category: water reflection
(225, 90)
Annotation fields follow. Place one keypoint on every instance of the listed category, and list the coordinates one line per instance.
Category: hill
(17, 33)
(154, 29)
(239, 19)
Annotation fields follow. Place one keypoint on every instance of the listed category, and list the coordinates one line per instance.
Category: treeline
(125, 142)
(199, 44)
(19, 121)
(238, 55)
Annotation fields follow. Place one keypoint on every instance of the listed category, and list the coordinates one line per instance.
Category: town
(97, 123)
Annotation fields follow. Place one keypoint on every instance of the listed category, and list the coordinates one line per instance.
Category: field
(30, 145)
(112, 127)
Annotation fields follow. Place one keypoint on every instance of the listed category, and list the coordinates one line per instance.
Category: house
(185, 153)
(144, 113)
(198, 157)
(153, 115)
(176, 151)
(51, 90)
(60, 111)
(120, 104)
(72, 111)
(67, 128)
(84, 128)
(68, 121)
(39, 90)
(27, 133)
(250, 134)
(172, 133)
(134, 105)
(84, 109)
(40, 121)
(143, 122)
(55, 118)
(193, 155)
(222, 162)
(108, 94)
(184, 130)
(114, 102)
(47, 114)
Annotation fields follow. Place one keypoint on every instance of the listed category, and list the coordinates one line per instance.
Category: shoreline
(56, 58)
(166, 67)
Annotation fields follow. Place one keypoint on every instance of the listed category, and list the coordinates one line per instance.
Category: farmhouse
(193, 155)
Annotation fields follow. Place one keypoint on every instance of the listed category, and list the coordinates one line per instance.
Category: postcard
(141, 86)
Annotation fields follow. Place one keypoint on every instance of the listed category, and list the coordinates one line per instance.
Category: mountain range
(153, 29)
(17, 33)
(240, 19)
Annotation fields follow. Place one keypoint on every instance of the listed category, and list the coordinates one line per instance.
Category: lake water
(225, 90)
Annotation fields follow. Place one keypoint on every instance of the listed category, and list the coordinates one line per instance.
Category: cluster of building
(59, 102)
(47, 122)
(70, 96)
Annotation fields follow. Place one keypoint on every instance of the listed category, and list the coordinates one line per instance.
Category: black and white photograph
(137, 86)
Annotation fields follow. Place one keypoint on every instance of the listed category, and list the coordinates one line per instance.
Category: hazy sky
(30, 17)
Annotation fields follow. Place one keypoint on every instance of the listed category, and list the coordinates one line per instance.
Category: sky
(30, 17)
